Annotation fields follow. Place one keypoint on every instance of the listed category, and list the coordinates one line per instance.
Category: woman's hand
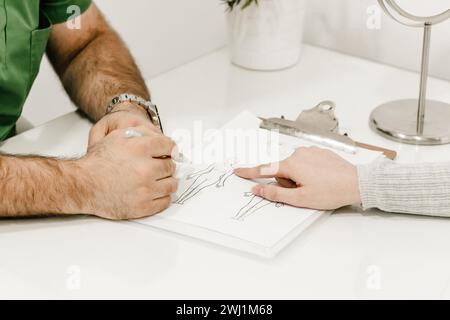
(311, 178)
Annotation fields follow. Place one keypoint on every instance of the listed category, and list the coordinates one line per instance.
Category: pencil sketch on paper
(214, 176)
(203, 179)
(253, 205)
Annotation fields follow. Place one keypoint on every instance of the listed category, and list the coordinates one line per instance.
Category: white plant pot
(267, 36)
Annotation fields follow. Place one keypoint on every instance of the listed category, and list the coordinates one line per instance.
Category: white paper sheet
(214, 205)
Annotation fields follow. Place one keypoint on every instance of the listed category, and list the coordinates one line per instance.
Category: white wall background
(162, 34)
(342, 25)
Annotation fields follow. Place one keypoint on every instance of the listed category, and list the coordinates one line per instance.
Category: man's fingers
(279, 194)
(106, 126)
(155, 129)
(153, 146)
(164, 168)
(149, 130)
(162, 146)
(166, 187)
(161, 204)
(97, 133)
(264, 171)
(154, 207)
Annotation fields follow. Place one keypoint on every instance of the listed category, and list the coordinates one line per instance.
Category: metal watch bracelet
(151, 108)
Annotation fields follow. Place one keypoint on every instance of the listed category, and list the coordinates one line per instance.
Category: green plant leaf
(231, 4)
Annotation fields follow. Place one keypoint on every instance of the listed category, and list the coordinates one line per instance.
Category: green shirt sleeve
(57, 10)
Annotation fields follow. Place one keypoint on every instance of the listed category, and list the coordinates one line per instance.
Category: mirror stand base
(397, 120)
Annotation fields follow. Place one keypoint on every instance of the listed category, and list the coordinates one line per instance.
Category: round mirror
(405, 120)
(395, 10)
(424, 8)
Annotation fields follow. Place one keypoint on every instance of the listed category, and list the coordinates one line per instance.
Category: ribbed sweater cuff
(368, 185)
(406, 188)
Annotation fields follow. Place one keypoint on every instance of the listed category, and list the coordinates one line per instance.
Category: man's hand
(124, 116)
(311, 178)
(129, 177)
(119, 178)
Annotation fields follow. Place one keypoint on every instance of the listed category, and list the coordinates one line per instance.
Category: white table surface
(351, 254)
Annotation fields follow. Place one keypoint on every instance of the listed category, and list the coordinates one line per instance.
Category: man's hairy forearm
(100, 67)
(103, 70)
(32, 186)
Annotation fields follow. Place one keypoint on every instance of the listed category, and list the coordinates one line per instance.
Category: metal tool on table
(320, 125)
(406, 120)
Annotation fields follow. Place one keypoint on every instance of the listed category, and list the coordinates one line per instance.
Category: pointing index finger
(269, 170)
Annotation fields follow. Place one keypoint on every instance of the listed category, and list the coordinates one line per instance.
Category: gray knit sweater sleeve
(416, 189)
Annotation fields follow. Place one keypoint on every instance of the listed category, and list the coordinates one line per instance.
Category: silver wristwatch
(152, 109)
